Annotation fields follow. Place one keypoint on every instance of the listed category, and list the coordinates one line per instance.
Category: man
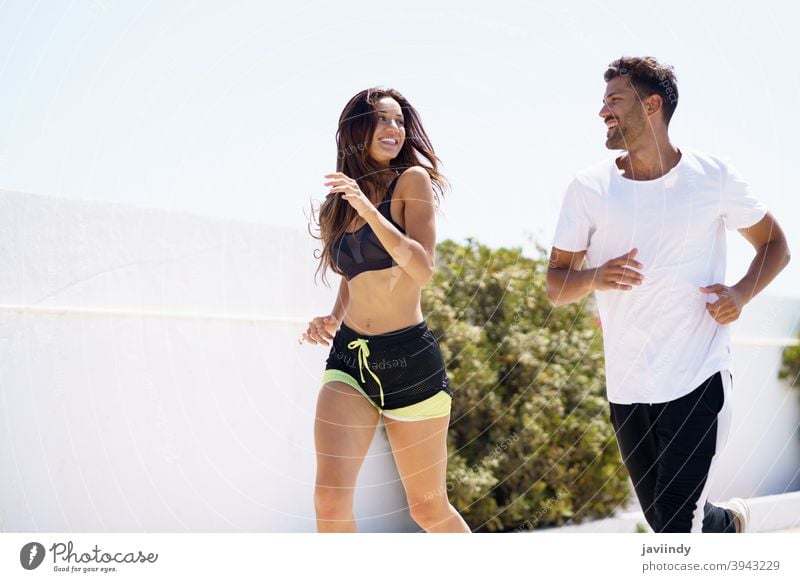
(650, 225)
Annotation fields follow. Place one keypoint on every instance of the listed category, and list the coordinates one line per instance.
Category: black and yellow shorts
(401, 372)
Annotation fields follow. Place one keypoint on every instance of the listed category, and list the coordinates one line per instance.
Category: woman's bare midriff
(382, 301)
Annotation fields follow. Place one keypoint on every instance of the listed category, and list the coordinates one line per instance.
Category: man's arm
(568, 282)
(772, 255)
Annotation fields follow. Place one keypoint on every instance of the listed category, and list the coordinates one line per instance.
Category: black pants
(669, 450)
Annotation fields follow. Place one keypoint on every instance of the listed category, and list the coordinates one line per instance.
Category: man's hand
(728, 307)
(618, 274)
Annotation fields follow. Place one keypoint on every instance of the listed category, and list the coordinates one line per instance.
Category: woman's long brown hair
(353, 139)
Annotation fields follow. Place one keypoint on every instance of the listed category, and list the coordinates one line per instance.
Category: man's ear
(652, 104)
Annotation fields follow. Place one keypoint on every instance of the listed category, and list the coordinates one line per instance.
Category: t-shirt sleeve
(574, 226)
(739, 206)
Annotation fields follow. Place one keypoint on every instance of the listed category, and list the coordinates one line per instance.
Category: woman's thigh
(343, 430)
(420, 452)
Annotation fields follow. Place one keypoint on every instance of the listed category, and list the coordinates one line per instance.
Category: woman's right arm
(342, 301)
(321, 329)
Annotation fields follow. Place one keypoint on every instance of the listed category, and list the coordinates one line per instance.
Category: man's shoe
(741, 513)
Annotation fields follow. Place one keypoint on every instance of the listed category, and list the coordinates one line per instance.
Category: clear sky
(230, 108)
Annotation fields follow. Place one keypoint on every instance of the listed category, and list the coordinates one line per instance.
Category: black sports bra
(359, 251)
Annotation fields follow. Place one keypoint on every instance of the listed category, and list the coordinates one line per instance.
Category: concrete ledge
(775, 512)
(770, 513)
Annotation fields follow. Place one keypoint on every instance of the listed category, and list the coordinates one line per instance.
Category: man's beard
(616, 141)
(623, 136)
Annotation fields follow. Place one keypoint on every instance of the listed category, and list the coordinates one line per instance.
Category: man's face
(623, 114)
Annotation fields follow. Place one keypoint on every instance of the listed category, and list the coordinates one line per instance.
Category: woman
(378, 230)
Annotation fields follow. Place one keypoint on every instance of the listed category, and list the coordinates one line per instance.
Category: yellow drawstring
(363, 352)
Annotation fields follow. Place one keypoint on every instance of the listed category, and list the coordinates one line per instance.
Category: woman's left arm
(414, 251)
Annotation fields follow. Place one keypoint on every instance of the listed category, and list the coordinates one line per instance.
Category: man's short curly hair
(648, 77)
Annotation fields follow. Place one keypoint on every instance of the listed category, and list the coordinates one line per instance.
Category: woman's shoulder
(414, 183)
(415, 173)
(413, 178)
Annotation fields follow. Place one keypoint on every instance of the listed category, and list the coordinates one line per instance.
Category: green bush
(531, 444)
(790, 368)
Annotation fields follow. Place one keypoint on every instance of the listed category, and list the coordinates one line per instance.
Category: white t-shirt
(660, 342)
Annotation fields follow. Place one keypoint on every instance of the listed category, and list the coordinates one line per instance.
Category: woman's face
(390, 131)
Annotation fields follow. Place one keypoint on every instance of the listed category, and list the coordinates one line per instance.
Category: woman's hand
(350, 192)
(320, 329)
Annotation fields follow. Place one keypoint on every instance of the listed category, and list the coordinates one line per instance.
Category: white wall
(150, 375)
(762, 456)
(151, 379)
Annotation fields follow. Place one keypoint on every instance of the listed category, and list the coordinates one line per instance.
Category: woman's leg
(343, 430)
(420, 451)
